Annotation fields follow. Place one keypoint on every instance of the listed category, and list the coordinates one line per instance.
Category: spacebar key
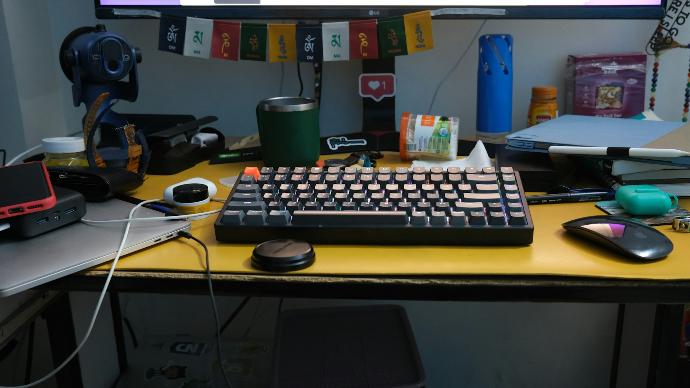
(348, 217)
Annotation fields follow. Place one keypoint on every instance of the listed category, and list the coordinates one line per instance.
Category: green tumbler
(289, 131)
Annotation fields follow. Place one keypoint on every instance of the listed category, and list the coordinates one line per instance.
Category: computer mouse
(630, 238)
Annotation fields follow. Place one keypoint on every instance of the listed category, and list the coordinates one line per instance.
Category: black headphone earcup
(66, 43)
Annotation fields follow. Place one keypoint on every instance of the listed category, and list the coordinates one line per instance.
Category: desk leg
(118, 331)
(63, 341)
(663, 363)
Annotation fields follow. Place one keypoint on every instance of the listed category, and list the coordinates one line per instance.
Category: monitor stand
(378, 116)
(378, 120)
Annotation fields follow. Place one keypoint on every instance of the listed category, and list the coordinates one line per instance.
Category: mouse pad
(614, 209)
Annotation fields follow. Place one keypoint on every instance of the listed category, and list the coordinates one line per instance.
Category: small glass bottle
(64, 152)
(543, 106)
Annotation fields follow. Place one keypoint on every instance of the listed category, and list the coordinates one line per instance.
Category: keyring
(682, 224)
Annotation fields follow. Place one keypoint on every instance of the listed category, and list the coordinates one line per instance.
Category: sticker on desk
(377, 86)
(615, 209)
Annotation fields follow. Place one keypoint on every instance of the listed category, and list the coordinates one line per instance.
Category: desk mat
(552, 252)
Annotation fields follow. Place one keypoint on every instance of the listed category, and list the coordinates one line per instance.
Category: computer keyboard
(402, 206)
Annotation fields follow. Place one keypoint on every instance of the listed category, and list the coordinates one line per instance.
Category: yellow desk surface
(551, 253)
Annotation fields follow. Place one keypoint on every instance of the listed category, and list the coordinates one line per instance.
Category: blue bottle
(495, 85)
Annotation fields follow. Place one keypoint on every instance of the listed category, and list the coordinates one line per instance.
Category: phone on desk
(26, 189)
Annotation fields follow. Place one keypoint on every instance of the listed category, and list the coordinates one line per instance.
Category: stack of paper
(587, 131)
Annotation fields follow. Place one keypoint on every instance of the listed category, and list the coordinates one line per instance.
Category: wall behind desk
(230, 90)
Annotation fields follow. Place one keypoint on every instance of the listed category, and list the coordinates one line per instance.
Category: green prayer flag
(392, 40)
(253, 42)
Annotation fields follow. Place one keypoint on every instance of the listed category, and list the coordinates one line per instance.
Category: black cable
(299, 77)
(282, 78)
(219, 352)
(4, 156)
(128, 325)
(318, 81)
(234, 314)
(29, 353)
(280, 305)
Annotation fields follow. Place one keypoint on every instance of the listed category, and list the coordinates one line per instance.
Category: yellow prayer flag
(419, 32)
(282, 46)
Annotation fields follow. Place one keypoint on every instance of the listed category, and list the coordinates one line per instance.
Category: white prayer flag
(336, 41)
(198, 37)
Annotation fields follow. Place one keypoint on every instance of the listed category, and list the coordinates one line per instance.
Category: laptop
(28, 263)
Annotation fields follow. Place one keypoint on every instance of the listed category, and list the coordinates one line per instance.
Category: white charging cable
(98, 305)
(162, 218)
(23, 154)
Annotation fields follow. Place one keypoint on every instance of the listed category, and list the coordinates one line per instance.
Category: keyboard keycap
(481, 178)
(518, 219)
(468, 206)
(386, 206)
(418, 218)
(497, 218)
(247, 188)
(232, 217)
(438, 218)
(405, 207)
(256, 217)
(477, 218)
(458, 218)
(278, 217)
(247, 179)
(482, 197)
(349, 217)
(246, 205)
(510, 188)
(245, 197)
(367, 206)
(487, 188)
(311, 205)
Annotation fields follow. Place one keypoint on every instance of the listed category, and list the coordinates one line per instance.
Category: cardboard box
(606, 85)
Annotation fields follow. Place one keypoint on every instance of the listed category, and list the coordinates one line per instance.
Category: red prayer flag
(364, 43)
(226, 40)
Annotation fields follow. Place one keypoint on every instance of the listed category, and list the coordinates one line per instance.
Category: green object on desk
(645, 200)
(289, 131)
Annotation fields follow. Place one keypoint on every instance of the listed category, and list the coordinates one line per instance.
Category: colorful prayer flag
(419, 32)
(392, 40)
(309, 43)
(226, 40)
(253, 42)
(171, 34)
(364, 43)
(197, 40)
(281, 43)
(336, 41)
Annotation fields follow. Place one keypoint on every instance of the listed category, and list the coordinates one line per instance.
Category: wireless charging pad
(283, 255)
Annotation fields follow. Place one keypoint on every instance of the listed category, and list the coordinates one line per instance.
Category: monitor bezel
(337, 12)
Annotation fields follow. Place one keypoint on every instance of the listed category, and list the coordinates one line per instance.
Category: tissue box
(606, 85)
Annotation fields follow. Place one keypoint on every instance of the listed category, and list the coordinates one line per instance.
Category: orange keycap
(253, 171)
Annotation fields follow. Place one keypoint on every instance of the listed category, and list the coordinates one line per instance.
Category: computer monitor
(358, 9)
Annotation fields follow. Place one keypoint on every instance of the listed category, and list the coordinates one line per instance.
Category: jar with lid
(64, 152)
(543, 106)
